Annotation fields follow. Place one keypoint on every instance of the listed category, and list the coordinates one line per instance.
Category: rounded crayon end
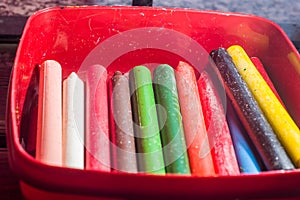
(117, 73)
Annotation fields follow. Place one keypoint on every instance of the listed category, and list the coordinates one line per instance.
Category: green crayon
(148, 143)
(170, 120)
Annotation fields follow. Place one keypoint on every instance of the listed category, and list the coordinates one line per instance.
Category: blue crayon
(247, 161)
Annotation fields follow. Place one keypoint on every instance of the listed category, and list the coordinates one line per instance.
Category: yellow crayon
(283, 125)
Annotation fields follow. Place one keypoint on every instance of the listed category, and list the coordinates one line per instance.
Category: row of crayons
(172, 123)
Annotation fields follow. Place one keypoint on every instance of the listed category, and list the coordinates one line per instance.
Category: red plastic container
(74, 36)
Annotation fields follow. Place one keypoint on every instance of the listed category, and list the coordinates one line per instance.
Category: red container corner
(69, 34)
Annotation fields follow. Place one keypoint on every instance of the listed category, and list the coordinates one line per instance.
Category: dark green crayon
(170, 121)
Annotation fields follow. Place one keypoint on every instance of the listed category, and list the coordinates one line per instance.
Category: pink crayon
(97, 143)
(223, 154)
(49, 127)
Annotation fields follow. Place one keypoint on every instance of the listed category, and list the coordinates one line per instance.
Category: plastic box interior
(71, 34)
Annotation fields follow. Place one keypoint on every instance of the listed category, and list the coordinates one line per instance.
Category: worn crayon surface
(246, 154)
(73, 122)
(97, 155)
(123, 132)
(281, 122)
(193, 121)
(258, 128)
(149, 148)
(49, 128)
(223, 154)
(170, 119)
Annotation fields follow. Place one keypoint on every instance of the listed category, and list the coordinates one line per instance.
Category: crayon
(73, 122)
(112, 127)
(292, 79)
(199, 154)
(49, 125)
(223, 155)
(170, 121)
(149, 147)
(283, 125)
(260, 68)
(254, 121)
(28, 126)
(246, 156)
(97, 154)
(124, 144)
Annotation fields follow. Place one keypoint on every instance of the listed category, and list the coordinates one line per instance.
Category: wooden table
(9, 185)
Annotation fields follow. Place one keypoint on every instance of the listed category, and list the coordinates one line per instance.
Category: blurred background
(14, 13)
(283, 11)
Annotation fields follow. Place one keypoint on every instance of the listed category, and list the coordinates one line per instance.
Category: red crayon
(223, 154)
(97, 132)
(260, 67)
(194, 126)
